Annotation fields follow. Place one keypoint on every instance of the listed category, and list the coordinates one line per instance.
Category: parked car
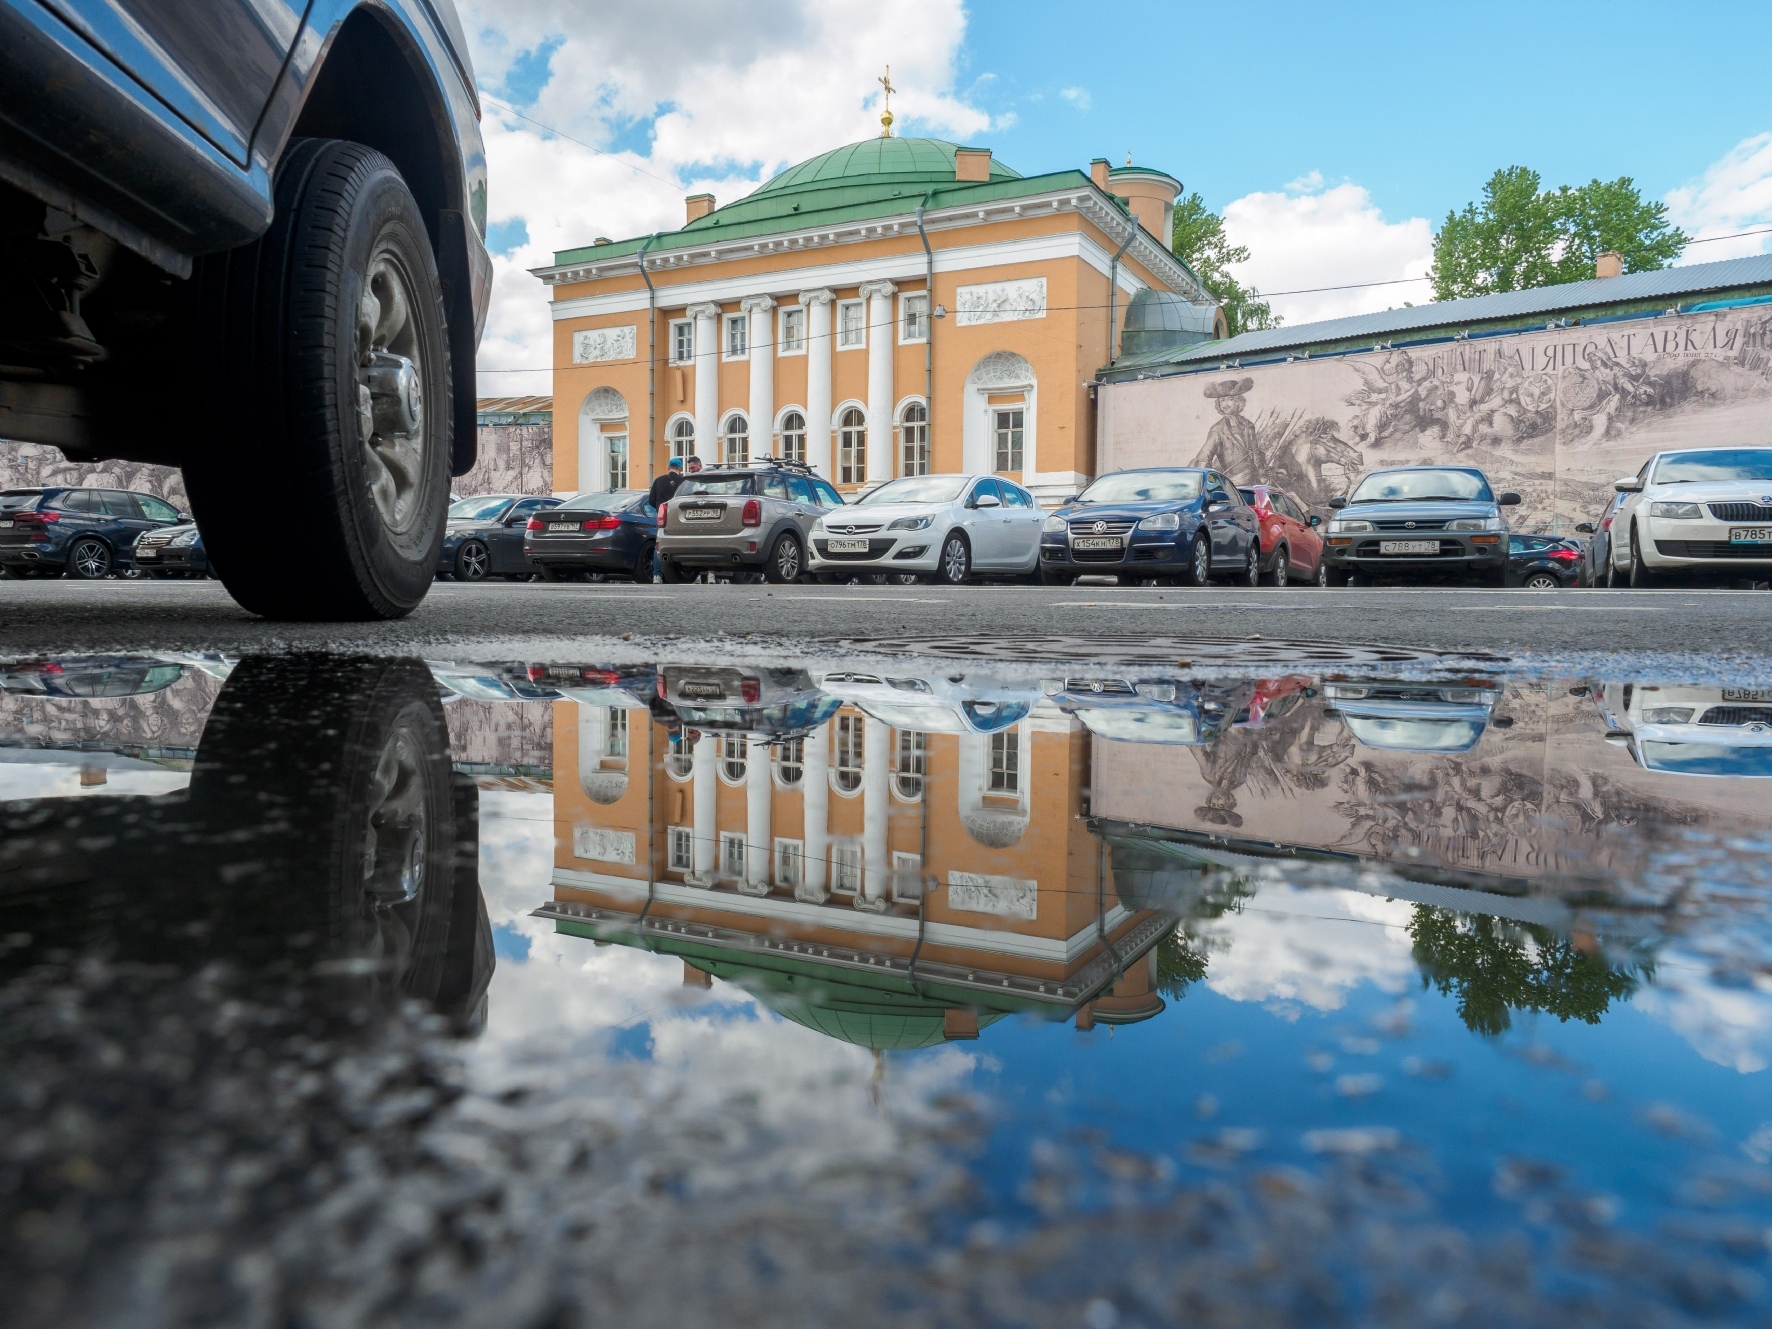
(773, 702)
(91, 677)
(967, 702)
(277, 209)
(1153, 708)
(484, 537)
(1543, 562)
(1683, 730)
(1699, 509)
(606, 532)
(744, 519)
(1415, 717)
(86, 533)
(173, 551)
(1419, 521)
(1595, 567)
(1291, 543)
(945, 528)
(1163, 523)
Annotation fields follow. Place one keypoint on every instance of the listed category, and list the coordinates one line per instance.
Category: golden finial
(886, 114)
(1128, 159)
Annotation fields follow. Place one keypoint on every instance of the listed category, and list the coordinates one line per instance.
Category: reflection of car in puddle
(1415, 717)
(1690, 730)
(1152, 710)
(957, 704)
(778, 702)
(630, 687)
(91, 679)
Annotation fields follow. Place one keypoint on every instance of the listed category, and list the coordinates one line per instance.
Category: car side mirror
(987, 501)
(1338, 502)
(1629, 485)
(1313, 520)
(1508, 500)
(1586, 527)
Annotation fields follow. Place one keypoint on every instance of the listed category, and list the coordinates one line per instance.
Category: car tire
(1057, 578)
(955, 565)
(643, 572)
(1250, 574)
(325, 346)
(786, 560)
(1280, 575)
(1328, 575)
(671, 573)
(1496, 578)
(473, 561)
(1641, 578)
(830, 577)
(89, 559)
(1199, 563)
(1542, 581)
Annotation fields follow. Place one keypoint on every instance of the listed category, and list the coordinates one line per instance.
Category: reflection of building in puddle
(891, 861)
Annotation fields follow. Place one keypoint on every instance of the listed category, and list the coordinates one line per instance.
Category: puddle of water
(979, 991)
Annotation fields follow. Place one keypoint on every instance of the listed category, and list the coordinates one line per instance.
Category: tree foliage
(1521, 235)
(1198, 240)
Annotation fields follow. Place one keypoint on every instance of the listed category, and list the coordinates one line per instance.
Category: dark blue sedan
(1179, 523)
(612, 532)
(484, 537)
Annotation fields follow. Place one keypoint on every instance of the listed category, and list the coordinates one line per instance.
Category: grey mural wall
(38, 464)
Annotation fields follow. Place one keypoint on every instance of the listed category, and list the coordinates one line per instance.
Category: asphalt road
(513, 620)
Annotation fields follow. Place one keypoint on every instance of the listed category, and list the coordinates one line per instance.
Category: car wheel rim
(1280, 569)
(390, 391)
(473, 563)
(90, 560)
(1253, 573)
(955, 560)
(788, 561)
(1200, 562)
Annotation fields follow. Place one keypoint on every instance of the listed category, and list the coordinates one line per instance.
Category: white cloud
(1299, 944)
(1077, 97)
(1307, 236)
(675, 98)
(1733, 194)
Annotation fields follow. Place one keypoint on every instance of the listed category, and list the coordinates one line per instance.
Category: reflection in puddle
(364, 991)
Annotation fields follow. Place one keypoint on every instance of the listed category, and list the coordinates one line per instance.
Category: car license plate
(1408, 546)
(1089, 542)
(562, 526)
(702, 514)
(849, 546)
(1747, 694)
(5, 525)
(1750, 535)
(147, 553)
(701, 691)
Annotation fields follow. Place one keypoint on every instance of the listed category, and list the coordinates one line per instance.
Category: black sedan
(172, 551)
(1543, 562)
(1161, 524)
(484, 537)
(611, 532)
(86, 533)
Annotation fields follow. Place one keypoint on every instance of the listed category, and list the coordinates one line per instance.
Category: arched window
(852, 447)
(793, 437)
(912, 764)
(738, 441)
(732, 758)
(683, 438)
(790, 763)
(846, 770)
(680, 758)
(913, 433)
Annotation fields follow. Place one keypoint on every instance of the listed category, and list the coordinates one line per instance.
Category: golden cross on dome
(886, 114)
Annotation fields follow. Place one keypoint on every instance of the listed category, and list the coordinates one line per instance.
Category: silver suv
(743, 519)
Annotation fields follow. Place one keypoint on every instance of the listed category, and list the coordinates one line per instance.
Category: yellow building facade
(893, 307)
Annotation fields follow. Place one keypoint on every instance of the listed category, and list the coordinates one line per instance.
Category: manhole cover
(1140, 649)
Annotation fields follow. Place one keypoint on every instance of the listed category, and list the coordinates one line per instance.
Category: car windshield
(16, 500)
(1423, 486)
(616, 500)
(476, 509)
(1684, 468)
(919, 489)
(723, 484)
(1707, 759)
(1144, 487)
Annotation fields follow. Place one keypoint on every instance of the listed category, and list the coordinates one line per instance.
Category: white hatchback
(947, 528)
(1705, 508)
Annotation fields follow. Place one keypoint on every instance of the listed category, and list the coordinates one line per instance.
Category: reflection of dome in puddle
(1149, 877)
(604, 786)
(994, 830)
(867, 1017)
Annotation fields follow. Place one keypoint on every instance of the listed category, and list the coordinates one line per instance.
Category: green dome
(870, 1017)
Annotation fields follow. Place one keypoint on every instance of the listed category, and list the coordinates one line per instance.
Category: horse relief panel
(1556, 414)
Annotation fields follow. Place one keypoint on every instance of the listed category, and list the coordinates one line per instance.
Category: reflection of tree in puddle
(1494, 967)
(1183, 955)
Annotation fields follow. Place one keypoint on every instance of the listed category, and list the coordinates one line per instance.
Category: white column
(761, 309)
(759, 846)
(881, 344)
(707, 381)
(707, 836)
(876, 751)
(815, 807)
(819, 344)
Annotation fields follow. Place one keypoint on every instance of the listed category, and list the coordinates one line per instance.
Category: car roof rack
(780, 464)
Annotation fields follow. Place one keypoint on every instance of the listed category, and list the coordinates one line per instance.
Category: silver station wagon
(744, 520)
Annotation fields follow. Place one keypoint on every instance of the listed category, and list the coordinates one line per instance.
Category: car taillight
(749, 688)
(606, 522)
(661, 685)
(536, 524)
(1564, 555)
(537, 673)
(600, 676)
(661, 521)
(752, 515)
(32, 517)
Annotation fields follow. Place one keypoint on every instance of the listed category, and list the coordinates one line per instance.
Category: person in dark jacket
(666, 484)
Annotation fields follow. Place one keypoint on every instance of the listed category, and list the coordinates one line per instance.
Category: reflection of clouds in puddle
(1291, 944)
(516, 855)
(1731, 1026)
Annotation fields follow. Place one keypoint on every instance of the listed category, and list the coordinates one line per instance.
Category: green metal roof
(925, 161)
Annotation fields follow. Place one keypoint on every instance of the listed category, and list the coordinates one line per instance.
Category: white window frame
(722, 759)
(921, 754)
(856, 468)
(854, 729)
(679, 761)
(789, 864)
(679, 326)
(782, 345)
(899, 424)
(1011, 775)
(1020, 468)
(750, 443)
(904, 864)
(672, 440)
(730, 840)
(673, 836)
(739, 324)
(846, 859)
(905, 301)
(861, 325)
(778, 759)
(781, 433)
(609, 442)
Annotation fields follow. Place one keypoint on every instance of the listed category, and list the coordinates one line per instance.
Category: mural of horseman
(1287, 450)
(1232, 445)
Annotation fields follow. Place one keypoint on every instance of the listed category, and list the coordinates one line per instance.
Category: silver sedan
(947, 528)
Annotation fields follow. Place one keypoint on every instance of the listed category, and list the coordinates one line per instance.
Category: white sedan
(947, 528)
(1697, 508)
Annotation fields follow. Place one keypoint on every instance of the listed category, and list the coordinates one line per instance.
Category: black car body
(1543, 562)
(82, 531)
(608, 532)
(172, 551)
(484, 537)
(1154, 523)
(177, 182)
(1418, 522)
(1596, 558)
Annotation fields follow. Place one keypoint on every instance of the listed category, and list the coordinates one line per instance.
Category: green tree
(1521, 235)
(1198, 240)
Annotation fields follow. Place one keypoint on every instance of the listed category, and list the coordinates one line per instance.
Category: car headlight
(187, 538)
(1055, 525)
(1163, 521)
(1676, 511)
(910, 524)
(1476, 524)
(1339, 527)
(1668, 714)
(818, 526)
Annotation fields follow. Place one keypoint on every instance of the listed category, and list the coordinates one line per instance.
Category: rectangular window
(846, 868)
(912, 764)
(913, 318)
(732, 855)
(793, 332)
(1005, 763)
(680, 843)
(790, 864)
(1008, 432)
(847, 770)
(907, 876)
(682, 342)
(616, 742)
(618, 461)
(852, 325)
(738, 336)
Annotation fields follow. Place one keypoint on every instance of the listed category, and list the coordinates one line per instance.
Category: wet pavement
(1110, 981)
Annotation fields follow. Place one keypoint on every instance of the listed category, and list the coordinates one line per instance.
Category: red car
(1291, 548)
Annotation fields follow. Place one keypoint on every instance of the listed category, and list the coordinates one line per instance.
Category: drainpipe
(1114, 293)
(651, 366)
(929, 339)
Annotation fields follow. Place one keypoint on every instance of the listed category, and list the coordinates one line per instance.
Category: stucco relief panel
(1000, 302)
(594, 345)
